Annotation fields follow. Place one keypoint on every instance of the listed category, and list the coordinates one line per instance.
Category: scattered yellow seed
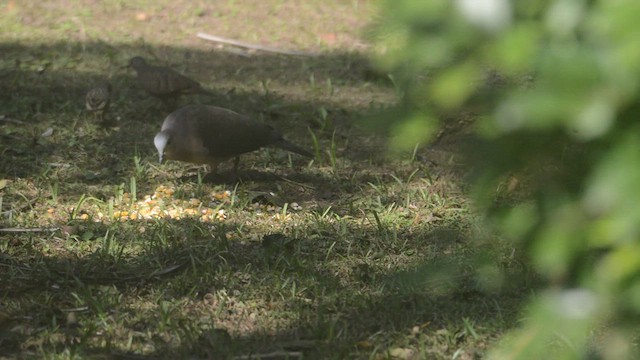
(222, 195)
(160, 205)
(280, 216)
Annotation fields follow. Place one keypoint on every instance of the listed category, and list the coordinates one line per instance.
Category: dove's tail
(285, 145)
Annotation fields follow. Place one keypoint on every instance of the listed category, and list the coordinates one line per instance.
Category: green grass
(352, 255)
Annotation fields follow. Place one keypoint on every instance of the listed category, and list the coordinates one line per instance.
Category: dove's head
(162, 141)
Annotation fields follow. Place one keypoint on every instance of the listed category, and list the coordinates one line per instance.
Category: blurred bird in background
(98, 99)
(163, 82)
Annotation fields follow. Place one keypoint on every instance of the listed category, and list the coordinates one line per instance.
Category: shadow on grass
(194, 289)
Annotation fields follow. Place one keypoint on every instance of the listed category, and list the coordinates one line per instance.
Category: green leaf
(516, 50)
(451, 88)
(417, 129)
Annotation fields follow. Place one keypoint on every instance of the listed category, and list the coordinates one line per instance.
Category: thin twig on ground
(272, 355)
(8, 119)
(243, 44)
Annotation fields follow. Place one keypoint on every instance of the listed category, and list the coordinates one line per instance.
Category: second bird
(205, 134)
(98, 99)
(163, 82)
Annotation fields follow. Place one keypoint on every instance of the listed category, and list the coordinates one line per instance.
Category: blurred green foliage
(554, 89)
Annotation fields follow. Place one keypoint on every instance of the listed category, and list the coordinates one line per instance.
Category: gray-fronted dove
(98, 99)
(204, 134)
(163, 82)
